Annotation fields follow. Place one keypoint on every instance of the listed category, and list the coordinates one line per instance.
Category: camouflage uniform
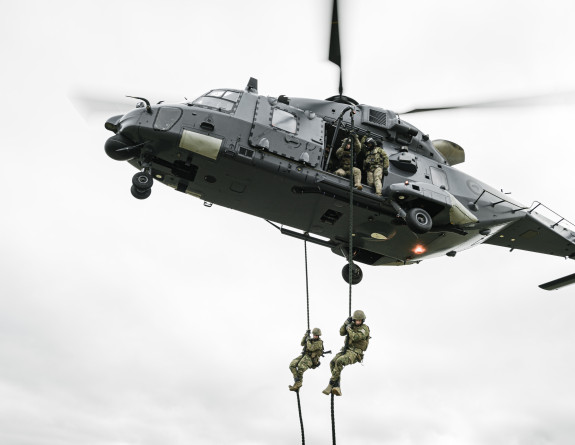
(313, 350)
(345, 162)
(376, 163)
(355, 345)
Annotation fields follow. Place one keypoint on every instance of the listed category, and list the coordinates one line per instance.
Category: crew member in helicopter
(376, 164)
(346, 164)
(332, 161)
(309, 358)
(356, 342)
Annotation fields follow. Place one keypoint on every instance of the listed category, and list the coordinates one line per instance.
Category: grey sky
(128, 322)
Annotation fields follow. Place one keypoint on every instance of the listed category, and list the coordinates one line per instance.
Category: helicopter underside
(312, 201)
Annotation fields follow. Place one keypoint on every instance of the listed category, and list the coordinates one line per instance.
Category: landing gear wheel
(418, 220)
(356, 274)
(142, 181)
(140, 193)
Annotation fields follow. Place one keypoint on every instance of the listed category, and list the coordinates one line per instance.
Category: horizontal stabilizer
(536, 233)
(559, 283)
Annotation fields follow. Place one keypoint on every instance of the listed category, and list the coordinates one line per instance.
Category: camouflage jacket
(313, 348)
(358, 337)
(344, 155)
(376, 158)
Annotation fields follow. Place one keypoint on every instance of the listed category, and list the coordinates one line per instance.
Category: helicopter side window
(221, 100)
(439, 178)
(284, 121)
(166, 118)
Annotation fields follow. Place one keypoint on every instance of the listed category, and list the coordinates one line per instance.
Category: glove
(348, 321)
(385, 172)
(307, 332)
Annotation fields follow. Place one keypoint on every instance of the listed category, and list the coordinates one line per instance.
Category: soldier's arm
(343, 330)
(358, 145)
(385, 159)
(339, 152)
(303, 340)
(361, 334)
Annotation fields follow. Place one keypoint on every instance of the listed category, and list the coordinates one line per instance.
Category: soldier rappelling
(309, 358)
(356, 342)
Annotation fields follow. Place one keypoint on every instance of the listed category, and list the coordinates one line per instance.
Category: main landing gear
(418, 220)
(142, 185)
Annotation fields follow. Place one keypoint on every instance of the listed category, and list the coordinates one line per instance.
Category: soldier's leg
(369, 178)
(346, 359)
(298, 366)
(293, 366)
(304, 364)
(327, 390)
(357, 178)
(377, 176)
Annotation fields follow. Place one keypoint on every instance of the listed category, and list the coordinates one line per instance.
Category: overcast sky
(162, 321)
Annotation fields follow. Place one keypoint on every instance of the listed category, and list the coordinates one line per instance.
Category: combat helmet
(370, 142)
(358, 315)
(316, 331)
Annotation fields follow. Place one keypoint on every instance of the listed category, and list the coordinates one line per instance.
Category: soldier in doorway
(356, 342)
(346, 164)
(309, 358)
(376, 164)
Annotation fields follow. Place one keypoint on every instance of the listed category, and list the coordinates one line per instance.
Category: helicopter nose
(120, 148)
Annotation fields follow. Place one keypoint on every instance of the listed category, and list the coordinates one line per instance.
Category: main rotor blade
(334, 46)
(91, 104)
(543, 99)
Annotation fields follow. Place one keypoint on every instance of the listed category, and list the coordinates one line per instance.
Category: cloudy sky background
(166, 322)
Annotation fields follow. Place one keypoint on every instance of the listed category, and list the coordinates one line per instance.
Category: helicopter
(271, 157)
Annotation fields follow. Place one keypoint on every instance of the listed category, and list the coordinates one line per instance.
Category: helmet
(370, 142)
(358, 315)
(316, 331)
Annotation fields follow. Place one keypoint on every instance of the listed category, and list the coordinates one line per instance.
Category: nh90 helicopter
(269, 157)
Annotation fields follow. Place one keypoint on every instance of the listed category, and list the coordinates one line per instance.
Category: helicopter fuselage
(269, 157)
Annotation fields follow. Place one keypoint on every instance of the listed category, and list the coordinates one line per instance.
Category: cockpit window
(231, 95)
(221, 100)
(284, 121)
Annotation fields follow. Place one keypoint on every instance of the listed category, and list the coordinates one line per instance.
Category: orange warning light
(419, 249)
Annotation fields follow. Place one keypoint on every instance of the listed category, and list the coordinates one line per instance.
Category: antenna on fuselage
(252, 86)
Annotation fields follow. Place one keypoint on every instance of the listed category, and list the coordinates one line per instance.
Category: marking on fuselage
(201, 144)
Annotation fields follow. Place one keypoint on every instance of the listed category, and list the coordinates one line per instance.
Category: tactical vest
(374, 159)
(345, 160)
(360, 344)
(315, 355)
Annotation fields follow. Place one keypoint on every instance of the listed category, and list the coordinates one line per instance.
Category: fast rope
(350, 240)
(332, 422)
(306, 283)
(307, 304)
(300, 418)
(351, 181)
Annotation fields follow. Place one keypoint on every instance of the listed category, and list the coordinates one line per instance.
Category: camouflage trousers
(356, 175)
(340, 360)
(299, 365)
(374, 177)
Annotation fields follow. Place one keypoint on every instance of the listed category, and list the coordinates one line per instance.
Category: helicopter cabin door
(287, 131)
